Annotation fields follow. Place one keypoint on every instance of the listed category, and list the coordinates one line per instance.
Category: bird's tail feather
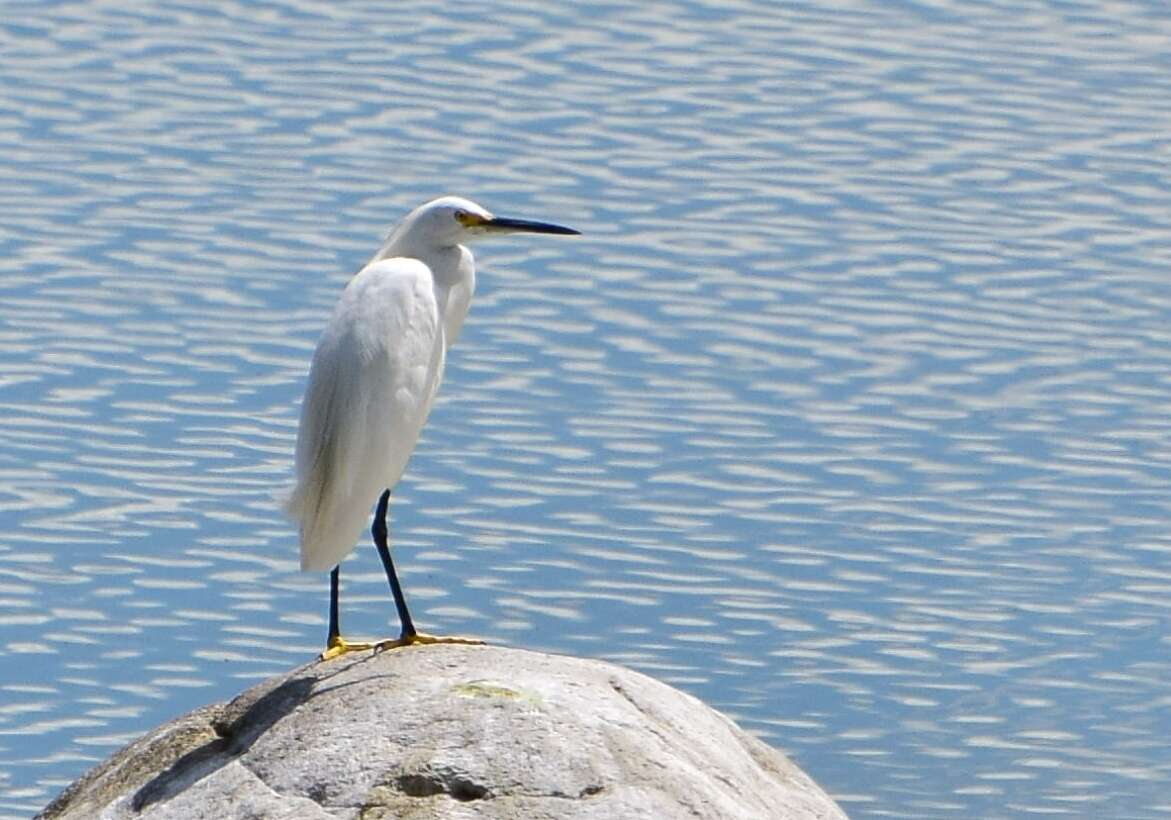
(329, 532)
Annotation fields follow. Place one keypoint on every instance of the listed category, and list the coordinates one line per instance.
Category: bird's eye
(461, 216)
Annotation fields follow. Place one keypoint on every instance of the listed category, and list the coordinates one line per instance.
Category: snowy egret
(373, 379)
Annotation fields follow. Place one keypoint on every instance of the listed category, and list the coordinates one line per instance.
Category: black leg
(379, 532)
(335, 644)
(334, 629)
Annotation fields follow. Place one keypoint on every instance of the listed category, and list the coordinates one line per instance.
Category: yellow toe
(421, 638)
(340, 646)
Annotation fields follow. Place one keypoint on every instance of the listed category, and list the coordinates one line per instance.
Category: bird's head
(453, 220)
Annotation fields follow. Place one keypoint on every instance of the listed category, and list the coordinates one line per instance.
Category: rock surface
(449, 731)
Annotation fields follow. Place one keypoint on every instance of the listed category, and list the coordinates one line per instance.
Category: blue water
(850, 413)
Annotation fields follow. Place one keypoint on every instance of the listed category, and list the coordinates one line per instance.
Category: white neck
(454, 271)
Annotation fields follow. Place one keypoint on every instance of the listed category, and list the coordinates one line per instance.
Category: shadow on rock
(235, 733)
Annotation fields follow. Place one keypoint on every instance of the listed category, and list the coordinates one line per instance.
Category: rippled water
(850, 414)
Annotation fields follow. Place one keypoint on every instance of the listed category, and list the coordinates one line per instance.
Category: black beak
(504, 224)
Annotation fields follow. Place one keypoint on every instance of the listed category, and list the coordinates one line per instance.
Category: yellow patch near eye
(468, 219)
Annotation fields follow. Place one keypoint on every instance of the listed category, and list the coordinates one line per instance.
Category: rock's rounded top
(447, 731)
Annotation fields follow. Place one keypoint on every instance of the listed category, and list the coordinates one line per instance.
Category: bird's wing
(370, 387)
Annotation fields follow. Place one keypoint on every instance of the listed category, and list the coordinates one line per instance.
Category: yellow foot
(340, 646)
(421, 638)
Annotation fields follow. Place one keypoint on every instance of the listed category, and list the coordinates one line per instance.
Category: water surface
(849, 414)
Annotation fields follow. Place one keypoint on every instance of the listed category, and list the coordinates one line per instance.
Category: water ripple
(848, 414)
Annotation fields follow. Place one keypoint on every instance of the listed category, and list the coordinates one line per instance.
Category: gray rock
(448, 731)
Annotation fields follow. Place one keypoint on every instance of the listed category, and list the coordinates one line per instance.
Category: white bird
(373, 380)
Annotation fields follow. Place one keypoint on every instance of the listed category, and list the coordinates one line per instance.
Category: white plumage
(371, 386)
(377, 368)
